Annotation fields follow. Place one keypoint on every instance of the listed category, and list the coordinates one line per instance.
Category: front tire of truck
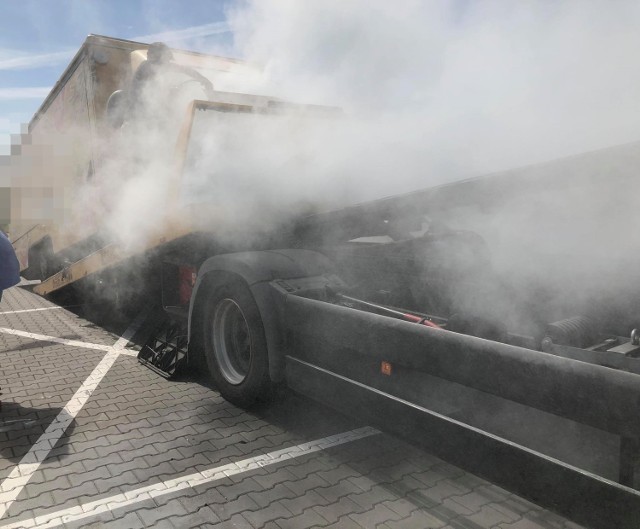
(235, 346)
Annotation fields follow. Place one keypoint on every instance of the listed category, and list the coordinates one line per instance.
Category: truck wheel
(44, 270)
(235, 346)
(40, 261)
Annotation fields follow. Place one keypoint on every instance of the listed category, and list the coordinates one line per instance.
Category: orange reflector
(385, 368)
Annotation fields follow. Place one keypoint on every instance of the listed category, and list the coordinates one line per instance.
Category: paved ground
(90, 438)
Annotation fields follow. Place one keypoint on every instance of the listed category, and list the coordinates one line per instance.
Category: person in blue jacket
(9, 267)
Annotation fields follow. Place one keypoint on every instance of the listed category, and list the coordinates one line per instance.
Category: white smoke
(429, 92)
(435, 92)
(445, 90)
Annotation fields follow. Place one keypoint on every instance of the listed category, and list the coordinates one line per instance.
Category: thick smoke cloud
(430, 93)
(446, 90)
(437, 92)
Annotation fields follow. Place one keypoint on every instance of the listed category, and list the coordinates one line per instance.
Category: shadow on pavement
(40, 343)
(295, 413)
(22, 426)
(287, 411)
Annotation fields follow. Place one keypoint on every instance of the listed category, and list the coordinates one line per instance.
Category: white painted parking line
(55, 339)
(128, 499)
(31, 310)
(15, 482)
(131, 330)
(64, 341)
(129, 352)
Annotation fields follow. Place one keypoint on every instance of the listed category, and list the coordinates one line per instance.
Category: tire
(235, 346)
(43, 265)
(40, 261)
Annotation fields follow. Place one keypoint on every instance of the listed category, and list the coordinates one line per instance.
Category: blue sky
(39, 37)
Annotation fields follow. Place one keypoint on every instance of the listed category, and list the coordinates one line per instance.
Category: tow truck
(439, 315)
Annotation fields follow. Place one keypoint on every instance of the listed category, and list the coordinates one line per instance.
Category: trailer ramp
(110, 255)
(166, 351)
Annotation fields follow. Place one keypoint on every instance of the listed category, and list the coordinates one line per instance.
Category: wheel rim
(231, 341)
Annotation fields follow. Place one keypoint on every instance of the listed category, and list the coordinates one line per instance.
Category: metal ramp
(166, 350)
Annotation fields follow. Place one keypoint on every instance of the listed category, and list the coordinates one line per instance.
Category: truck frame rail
(342, 369)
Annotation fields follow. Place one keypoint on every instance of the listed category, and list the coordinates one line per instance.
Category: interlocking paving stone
(333, 493)
(545, 517)
(237, 521)
(260, 517)
(105, 519)
(400, 506)
(417, 519)
(235, 488)
(307, 518)
(344, 522)
(240, 505)
(300, 504)
(194, 501)
(129, 521)
(204, 515)
(373, 497)
(151, 516)
(27, 505)
(523, 524)
(276, 493)
(374, 515)
(337, 509)
(457, 508)
(311, 482)
(273, 477)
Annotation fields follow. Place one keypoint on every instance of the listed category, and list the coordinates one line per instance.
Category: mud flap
(165, 352)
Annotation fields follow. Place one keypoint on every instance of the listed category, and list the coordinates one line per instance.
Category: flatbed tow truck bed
(90, 438)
